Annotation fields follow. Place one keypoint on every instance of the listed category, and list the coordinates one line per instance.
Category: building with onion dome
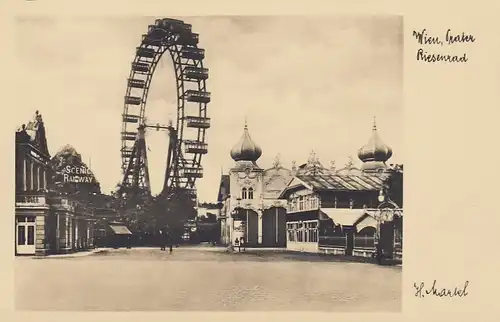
(249, 196)
(348, 211)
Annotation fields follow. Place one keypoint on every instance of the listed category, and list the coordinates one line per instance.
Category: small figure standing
(379, 254)
(161, 239)
(237, 243)
(170, 242)
(242, 243)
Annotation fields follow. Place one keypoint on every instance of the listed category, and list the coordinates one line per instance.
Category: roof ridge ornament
(350, 163)
(277, 163)
(332, 166)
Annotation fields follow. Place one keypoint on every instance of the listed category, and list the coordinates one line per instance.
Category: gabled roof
(335, 182)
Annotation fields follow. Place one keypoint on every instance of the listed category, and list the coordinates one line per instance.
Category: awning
(367, 221)
(120, 230)
(342, 217)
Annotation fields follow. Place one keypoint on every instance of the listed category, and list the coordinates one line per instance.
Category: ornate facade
(339, 210)
(46, 221)
(249, 194)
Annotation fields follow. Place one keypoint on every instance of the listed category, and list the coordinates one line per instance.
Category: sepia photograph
(209, 163)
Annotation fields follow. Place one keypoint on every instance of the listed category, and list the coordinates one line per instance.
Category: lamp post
(385, 212)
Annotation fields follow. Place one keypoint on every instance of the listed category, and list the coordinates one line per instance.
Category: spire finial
(374, 123)
(246, 123)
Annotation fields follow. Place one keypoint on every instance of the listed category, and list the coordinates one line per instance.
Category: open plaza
(204, 279)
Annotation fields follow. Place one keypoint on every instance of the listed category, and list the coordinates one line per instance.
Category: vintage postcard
(251, 157)
(241, 163)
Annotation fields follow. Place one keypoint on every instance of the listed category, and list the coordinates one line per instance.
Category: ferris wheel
(187, 134)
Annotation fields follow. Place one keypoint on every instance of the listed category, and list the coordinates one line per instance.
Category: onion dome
(246, 149)
(375, 153)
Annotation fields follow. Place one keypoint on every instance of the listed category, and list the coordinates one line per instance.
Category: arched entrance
(274, 227)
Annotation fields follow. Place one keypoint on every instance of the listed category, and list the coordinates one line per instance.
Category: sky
(302, 83)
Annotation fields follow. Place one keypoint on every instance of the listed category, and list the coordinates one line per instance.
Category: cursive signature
(421, 291)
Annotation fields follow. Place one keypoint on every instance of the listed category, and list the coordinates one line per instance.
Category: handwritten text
(421, 290)
(425, 39)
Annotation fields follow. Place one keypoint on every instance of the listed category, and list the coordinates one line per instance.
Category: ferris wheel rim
(170, 42)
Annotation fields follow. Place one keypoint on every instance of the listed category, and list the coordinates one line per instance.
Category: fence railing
(333, 241)
(364, 242)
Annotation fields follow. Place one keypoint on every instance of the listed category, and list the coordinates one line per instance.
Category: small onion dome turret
(246, 149)
(375, 153)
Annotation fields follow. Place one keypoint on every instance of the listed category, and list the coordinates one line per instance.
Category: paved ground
(204, 279)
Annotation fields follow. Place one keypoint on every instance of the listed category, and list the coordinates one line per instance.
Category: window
(250, 193)
(244, 193)
(21, 238)
(314, 202)
(301, 203)
(31, 235)
(290, 232)
(41, 178)
(36, 177)
(293, 204)
(311, 232)
(29, 178)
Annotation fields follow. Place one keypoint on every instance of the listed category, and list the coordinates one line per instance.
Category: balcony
(145, 52)
(197, 122)
(140, 67)
(133, 100)
(136, 83)
(196, 73)
(195, 147)
(193, 53)
(197, 96)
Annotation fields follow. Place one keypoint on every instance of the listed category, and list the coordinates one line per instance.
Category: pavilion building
(346, 211)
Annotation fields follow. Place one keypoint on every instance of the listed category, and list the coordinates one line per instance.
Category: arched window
(244, 193)
(250, 193)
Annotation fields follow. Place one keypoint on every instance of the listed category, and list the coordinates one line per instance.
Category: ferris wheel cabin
(192, 146)
(126, 152)
(197, 96)
(197, 122)
(195, 73)
(129, 118)
(136, 83)
(190, 39)
(146, 52)
(191, 172)
(133, 100)
(193, 53)
(140, 67)
(129, 136)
